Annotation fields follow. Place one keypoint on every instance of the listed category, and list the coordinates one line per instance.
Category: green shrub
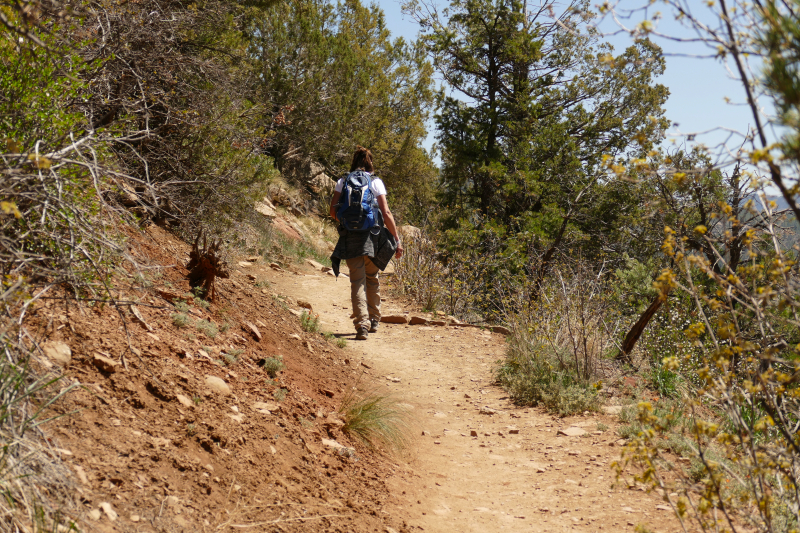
(341, 342)
(180, 320)
(207, 327)
(663, 380)
(533, 375)
(309, 322)
(280, 395)
(272, 365)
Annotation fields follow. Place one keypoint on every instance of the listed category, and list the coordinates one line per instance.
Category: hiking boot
(361, 333)
(373, 324)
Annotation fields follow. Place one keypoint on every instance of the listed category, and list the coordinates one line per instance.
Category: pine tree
(537, 108)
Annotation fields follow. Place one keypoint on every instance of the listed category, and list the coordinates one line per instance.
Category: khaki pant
(365, 290)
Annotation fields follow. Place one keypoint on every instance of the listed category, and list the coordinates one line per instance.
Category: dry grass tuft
(35, 484)
(376, 419)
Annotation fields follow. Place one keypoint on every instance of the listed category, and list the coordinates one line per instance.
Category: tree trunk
(636, 331)
(547, 259)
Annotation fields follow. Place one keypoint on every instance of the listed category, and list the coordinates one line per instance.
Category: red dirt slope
(155, 448)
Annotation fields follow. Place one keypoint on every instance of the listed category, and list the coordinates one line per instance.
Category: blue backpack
(357, 205)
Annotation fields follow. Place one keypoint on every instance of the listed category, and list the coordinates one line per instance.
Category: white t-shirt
(376, 186)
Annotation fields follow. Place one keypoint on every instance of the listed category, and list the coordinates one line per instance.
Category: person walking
(367, 238)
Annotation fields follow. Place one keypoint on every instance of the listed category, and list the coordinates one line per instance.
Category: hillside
(156, 445)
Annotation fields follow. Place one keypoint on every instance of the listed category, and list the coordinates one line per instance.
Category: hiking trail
(480, 463)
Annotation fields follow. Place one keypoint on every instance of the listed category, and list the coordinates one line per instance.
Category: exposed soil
(517, 474)
(152, 443)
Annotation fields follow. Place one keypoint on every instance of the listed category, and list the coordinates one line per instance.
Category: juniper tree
(537, 107)
(332, 77)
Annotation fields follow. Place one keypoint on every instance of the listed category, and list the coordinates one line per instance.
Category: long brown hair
(362, 159)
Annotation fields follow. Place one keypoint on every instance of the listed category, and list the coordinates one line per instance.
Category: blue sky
(698, 87)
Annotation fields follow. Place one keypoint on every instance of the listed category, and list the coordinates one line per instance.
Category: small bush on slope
(376, 420)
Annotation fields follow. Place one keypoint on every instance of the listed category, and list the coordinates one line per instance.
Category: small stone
(332, 444)
(574, 452)
(109, 511)
(266, 210)
(394, 319)
(58, 352)
(365, 365)
(620, 442)
(184, 401)
(473, 433)
(135, 518)
(437, 322)
(628, 509)
(81, 474)
(295, 312)
(254, 258)
(467, 396)
(95, 514)
(485, 410)
(502, 330)
(663, 508)
(245, 264)
(327, 269)
(328, 393)
(105, 364)
(216, 384)
(437, 442)
(333, 421)
(395, 380)
(597, 433)
(253, 330)
(426, 433)
(251, 277)
(571, 432)
(571, 481)
(266, 407)
(418, 320)
(390, 529)
(540, 470)
(513, 431)
(295, 336)
(314, 264)
(612, 409)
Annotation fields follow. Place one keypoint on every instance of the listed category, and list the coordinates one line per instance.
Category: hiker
(364, 242)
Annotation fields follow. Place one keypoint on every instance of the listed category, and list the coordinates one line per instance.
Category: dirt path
(517, 474)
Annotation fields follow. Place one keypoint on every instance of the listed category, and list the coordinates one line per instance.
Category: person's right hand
(399, 253)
